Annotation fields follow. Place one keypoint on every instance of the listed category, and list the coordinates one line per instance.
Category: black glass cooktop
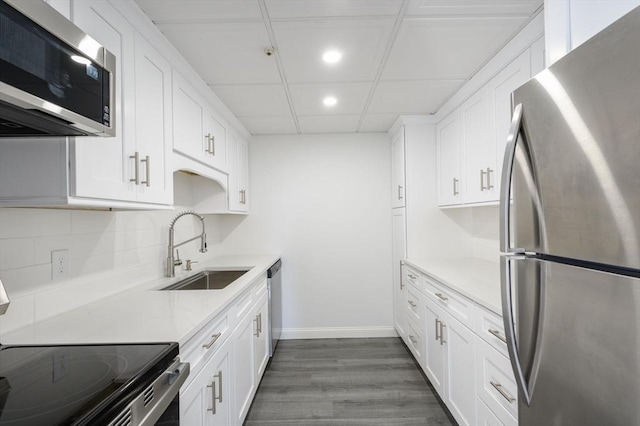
(75, 384)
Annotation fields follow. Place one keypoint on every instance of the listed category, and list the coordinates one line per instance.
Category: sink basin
(208, 280)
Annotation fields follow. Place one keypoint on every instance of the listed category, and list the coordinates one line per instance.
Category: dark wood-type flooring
(345, 382)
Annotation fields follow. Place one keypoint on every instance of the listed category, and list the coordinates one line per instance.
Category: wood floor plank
(345, 382)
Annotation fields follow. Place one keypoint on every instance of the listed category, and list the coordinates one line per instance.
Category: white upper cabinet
(501, 86)
(238, 162)
(102, 167)
(398, 187)
(197, 132)
(153, 124)
(449, 148)
(479, 149)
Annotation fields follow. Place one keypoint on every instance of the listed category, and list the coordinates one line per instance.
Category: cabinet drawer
(413, 277)
(490, 327)
(455, 304)
(415, 340)
(204, 344)
(415, 305)
(243, 304)
(495, 383)
(485, 416)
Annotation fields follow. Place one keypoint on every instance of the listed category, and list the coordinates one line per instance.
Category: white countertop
(144, 314)
(476, 279)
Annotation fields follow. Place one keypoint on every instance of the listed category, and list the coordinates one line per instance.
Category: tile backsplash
(108, 252)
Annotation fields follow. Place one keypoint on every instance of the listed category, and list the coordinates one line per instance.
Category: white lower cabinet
(228, 358)
(450, 362)
(208, 399)
(461, 347)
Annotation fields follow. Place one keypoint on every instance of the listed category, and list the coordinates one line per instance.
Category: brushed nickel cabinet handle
(438, 329)
(136, 164)
(498, 335)
(213, 340)
(147, 162)
(455, 187)
(412, 303)
(442, 327)
(399, 192)
(482, 173)
(413, 277)
(213, 397)
(442, 297)
(501, 391)
(413, 340)
(489, 171)
(219, 376)
(213, 145)
(257, 333)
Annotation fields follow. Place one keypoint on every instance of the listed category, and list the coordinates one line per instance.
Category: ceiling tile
(307, 99)
(412, 97)
(199, 11)
(377, 122)
(225, 53)
(362, 43)
(472, 7)
(254, 100)
(269, 125)
(331, 8)
(329, 123)
(446, 48)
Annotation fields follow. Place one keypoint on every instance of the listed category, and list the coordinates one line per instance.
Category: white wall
(108, 252)
(323, 201)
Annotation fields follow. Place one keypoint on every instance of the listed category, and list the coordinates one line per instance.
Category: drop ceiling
(399, 56)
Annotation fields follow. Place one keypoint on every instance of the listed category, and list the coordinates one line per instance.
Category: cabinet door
(460, 382)
(399, 288)
(509, 79)
(153, 123)
(398, 170)
(188, 120)
(479, 148)
(449, 154)
(435, 359)
(215, 136)
(262, 337)
(244, 377)
(101, 165)
(238, 161)
(208, 400)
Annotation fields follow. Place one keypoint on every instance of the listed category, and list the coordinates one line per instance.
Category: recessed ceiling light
(330, 101)
(332, 56)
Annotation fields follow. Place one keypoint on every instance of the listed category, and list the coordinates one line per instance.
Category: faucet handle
(189, 263)
(177, 261)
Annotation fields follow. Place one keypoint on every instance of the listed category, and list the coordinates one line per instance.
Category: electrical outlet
(59, 264)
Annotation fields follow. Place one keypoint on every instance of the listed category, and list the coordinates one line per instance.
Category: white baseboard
(337, 332)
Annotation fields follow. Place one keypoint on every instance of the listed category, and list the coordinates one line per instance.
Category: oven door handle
(147, 408)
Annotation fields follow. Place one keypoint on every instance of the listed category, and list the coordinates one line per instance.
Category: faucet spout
(172, 262)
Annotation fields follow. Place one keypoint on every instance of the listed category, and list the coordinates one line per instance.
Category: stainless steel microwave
(55, 80)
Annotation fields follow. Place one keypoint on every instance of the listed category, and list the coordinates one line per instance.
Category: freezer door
(576, 172)
(583, 362)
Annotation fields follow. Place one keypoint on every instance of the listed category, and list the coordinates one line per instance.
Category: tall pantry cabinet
(407, 136)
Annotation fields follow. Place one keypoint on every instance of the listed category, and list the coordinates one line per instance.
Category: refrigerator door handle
(505, 187)
(509, 329)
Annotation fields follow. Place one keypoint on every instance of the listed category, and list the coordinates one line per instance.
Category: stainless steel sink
(208, 280)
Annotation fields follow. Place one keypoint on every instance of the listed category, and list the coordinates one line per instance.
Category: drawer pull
(498, 335)
(498, 387)
(213, 340)
(413, 340)
(412, 303)
(413, 277)
(442, 297)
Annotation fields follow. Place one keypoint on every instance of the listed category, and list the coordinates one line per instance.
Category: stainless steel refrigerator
(570, 235)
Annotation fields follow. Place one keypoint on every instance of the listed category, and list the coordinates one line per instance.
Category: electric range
(101, 384)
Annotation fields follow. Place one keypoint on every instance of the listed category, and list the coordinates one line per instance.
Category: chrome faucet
(172, 262)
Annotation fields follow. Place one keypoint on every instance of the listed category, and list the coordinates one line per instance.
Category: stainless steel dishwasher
(274, 286)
